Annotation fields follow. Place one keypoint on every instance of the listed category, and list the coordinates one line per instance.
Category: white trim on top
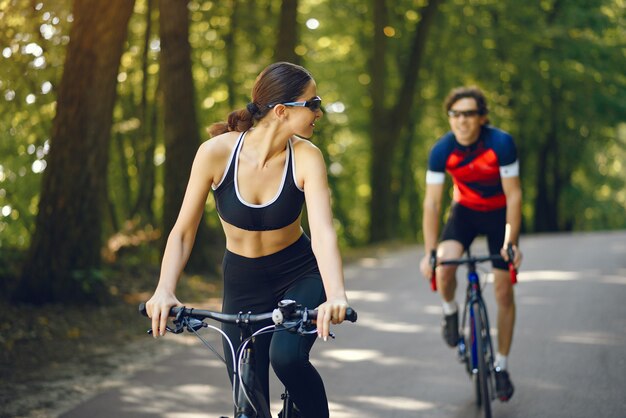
(230, 161)
(280, 188)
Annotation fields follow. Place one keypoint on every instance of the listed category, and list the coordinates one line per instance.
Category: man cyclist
(482, 161)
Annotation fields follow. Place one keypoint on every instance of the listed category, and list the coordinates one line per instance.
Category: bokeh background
(103, 105)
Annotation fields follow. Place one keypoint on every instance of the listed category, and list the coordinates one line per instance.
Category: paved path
(568, 358)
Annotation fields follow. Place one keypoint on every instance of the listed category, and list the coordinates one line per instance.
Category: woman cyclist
(262, 170)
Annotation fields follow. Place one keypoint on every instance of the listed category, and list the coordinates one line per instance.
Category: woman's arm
(181, 239)
(323, 237)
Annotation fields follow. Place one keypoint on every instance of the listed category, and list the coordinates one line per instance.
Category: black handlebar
(289, 311)
(472, 260)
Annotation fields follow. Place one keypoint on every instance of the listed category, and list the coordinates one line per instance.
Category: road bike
(288, 316)
(474, 347)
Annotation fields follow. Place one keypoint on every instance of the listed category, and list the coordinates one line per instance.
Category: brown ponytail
(239, 120)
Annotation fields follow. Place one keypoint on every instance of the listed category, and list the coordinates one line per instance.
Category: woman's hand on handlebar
(158, 309)
(333, 310)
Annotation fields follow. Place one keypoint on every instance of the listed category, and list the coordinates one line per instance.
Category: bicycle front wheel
(481, 379)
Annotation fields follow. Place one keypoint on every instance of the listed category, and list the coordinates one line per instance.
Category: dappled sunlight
(213, 363)
(433, 310)
(155, 400)
(611, 279)
(366, 296)
(372, 356)
(338, 410)
(373, 262)
(386, 326)
(181, 339)
(395, 403)
(549, 275)
(592, 338)
(352, 355)
(369, 262)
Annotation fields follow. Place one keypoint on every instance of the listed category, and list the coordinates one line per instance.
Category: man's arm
(430, 223)
(513, 192)
(430, 219)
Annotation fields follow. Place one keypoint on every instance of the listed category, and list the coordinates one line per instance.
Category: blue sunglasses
(314, 104)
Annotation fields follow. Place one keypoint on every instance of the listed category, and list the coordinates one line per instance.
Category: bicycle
(477, 352)
(247, 399)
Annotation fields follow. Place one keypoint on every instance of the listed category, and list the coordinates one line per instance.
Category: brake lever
(169, 329)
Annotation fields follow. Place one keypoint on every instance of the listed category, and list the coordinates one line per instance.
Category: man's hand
(518, 256)
(425, 267)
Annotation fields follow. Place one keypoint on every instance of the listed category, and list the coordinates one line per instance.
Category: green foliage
(552, 71)
(32, 47)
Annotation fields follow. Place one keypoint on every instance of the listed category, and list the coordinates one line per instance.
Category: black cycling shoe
(504, 387)
(450, 329)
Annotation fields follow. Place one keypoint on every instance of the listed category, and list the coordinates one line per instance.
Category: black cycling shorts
(465, 224)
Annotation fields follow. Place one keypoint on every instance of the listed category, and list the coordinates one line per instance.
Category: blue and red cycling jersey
(477, 170)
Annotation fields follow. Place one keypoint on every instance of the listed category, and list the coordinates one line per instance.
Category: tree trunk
(231, 54)
(181, 134)
(288, 34)
(146, 141)
(548, 181)
(64, 256)
(387, 125)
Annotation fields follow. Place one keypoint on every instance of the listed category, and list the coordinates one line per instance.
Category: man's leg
(446, 283)
(505, 300)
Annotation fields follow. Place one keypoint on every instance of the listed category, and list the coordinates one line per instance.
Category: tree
(64, 255)
(288, 34)
(180, 124)
(387, 123)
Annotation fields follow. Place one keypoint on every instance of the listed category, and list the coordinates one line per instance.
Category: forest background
(103, 108)
(103, 105)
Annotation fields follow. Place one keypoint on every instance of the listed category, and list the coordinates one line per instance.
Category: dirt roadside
(53, 357)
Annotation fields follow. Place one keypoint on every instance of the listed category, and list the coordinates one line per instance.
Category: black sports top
(282, 210)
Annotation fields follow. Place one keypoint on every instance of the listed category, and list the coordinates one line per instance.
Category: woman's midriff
(253, 244)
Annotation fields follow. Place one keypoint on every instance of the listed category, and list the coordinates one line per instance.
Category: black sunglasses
(466, 113)
(314, 104)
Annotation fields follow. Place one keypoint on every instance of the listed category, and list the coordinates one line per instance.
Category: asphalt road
(568, 357)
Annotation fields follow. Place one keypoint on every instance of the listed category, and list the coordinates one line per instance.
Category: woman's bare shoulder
(305, 147)
(219, 147)
(309, 158)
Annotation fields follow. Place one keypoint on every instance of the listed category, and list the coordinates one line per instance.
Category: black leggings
(257, 285)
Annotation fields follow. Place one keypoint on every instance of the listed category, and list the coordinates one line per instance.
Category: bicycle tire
(483, 398)
(488, 352)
